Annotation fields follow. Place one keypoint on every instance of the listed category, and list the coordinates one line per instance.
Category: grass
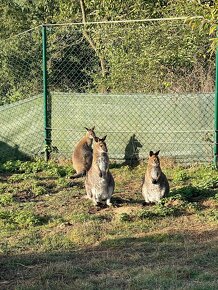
(51, 237)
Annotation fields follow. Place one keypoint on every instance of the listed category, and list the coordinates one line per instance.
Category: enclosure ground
(52, 237)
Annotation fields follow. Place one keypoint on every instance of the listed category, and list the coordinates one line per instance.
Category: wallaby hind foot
(108, 202)
(78, 175)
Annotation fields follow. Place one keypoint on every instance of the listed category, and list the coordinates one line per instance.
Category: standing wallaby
(99, 182)
(155, 183)
(82, 155)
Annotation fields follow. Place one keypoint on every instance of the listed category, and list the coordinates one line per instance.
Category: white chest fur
(154, 173)
(103, 163)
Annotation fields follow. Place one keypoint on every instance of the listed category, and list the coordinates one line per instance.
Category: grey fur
(99, 182)
(155, 184)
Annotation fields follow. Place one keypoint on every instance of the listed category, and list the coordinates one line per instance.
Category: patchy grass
(51, 236)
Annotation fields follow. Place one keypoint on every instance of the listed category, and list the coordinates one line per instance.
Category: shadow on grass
(179, 260)
(79, 184)
(119, 201)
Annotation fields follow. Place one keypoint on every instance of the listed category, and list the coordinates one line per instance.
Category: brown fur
(82, 155)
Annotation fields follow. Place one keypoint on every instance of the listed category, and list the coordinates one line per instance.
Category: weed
(38, 190)
(159, 211)
(62, 182)
(10, 166)
(191, 193)
(3, 187)
(20, 218)
(181, 175)
(125, 217)
(20, 177)
(209, 215)
(6, 199)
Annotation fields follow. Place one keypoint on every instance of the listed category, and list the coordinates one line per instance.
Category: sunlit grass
(51, 236)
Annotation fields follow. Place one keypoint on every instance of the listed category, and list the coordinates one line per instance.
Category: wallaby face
(153, 159)
(82, 155)
(100, 157)
(155, 183)
(100, 145)
(90, 133)
(99, 182)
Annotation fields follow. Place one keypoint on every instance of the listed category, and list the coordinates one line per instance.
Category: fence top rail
(21, 33)
(125, 21)
(105, 22)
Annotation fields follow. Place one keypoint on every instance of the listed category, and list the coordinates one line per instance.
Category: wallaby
(155, 183)
(82, 155)
(99, 182)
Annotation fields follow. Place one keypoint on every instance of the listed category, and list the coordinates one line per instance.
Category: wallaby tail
(77, 175)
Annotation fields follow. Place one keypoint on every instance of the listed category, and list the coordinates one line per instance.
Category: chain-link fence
(21, 102)
(147, 85)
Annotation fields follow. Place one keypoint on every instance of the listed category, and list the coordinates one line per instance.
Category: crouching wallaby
(155, 183)
(82, 155)
(99, 182)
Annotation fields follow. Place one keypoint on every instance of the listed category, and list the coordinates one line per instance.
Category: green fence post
(47, 107)
(216, 110)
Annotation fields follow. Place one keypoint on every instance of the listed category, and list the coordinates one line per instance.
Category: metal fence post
(216, 110)
(47, 107)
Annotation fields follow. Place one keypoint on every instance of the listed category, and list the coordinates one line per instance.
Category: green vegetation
(146, 57)
(51, 236)
(149, 80)
(153, 82)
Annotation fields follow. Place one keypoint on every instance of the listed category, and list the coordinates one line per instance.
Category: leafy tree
(163, 56)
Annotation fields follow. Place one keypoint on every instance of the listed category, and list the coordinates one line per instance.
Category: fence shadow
(8, 152)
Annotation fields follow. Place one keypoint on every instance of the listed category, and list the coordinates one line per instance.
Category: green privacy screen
(180, 126)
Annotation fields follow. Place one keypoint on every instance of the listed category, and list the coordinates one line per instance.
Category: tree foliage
(148, 57)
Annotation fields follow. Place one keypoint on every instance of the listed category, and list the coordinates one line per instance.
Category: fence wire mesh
(21, 103)
(148, 86)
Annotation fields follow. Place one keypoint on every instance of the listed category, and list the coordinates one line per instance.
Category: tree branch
(90, 41)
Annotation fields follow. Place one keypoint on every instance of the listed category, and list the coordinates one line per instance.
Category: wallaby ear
(104, 138)
(93, 128)
(86, 128)
(156, 153)
(151, 153)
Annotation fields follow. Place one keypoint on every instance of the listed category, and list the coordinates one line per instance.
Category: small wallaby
(155, 183)
(99, 182)
(82, 155)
